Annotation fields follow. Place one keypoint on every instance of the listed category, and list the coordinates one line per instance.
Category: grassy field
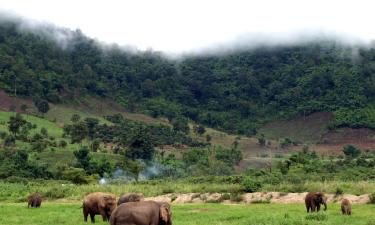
(192, 214)
(17, 192)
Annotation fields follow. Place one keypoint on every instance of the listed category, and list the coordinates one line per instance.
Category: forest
(235, 92)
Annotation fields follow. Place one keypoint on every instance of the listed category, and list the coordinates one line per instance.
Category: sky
(177, 26)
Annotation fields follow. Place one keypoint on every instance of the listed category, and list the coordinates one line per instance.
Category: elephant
(98, 203)
(34, 200)
(346, 207)
(132, 197)
(313, 201)
(142, 213)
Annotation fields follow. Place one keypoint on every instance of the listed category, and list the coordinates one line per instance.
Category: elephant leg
(312, 208)
(318, 208)
(85, 215)
(92, 216)
(103, 214)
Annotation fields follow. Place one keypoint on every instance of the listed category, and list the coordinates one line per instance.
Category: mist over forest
(235, 91)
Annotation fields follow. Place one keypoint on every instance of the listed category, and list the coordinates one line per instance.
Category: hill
(238, 92)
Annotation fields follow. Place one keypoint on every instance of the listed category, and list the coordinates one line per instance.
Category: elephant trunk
(325, 205)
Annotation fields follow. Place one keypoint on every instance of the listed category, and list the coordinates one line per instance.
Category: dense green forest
(235, 92)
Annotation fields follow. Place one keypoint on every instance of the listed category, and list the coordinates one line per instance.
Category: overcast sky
(186, 25)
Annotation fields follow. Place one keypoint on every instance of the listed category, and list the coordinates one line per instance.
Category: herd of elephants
(131, 209)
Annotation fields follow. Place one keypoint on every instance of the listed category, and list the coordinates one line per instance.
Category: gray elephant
(313, 200)
(132, 197)
(98, 203)
(142, 213)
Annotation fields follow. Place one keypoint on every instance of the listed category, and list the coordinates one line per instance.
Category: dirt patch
(8, 103)
(254, 198)
(303, 129)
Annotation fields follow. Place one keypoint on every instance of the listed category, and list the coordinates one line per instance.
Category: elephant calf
(313, 201)
(346, 207)
(34, 200)
(132, 197)
(142, 213)
(98, 203)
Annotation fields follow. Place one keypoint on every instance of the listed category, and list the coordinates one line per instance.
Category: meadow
(196, 214)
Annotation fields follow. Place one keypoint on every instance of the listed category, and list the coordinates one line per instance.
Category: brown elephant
(132, 197)
(98, 203)
(142, 213)
(313, 201)
(34, 200)
(346, 207)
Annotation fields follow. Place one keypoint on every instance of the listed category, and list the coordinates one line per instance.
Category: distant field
(53, 213)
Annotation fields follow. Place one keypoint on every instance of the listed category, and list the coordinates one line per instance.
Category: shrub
(75, 175)
(236, 197)
(250, 185)
(372, 198)
(226, 196)
(55, 193)
(339, 191)
(351, 151)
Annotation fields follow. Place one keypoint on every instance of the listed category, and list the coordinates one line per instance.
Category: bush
(75, 175)
(236, 197)
(372, 198)
(226, 196)
(339, 191)
(250, 185)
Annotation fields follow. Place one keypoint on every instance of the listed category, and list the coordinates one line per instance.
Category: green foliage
(250, 185)
(236, 92)
(42, 106)
(180, 124)
(75, 175)
(83, 158)
(15, 124)
(372, 198)
(140, 147)
(351, 151)
(77, 132)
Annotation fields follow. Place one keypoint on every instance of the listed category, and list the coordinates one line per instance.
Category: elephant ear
(164, 213)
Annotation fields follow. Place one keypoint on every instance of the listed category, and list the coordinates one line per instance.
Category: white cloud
(184, 25)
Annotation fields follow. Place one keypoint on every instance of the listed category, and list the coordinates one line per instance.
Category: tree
(91, 124)
(15, 124)
(77, 132)
(83, 158)
(140, 146)
(42, 106)
(351, 151)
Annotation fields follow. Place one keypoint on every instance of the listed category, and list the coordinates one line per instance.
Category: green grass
(53, 128)
(14, 192)
(192, 214)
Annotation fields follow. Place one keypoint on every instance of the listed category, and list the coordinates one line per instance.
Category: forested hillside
(235, 92)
